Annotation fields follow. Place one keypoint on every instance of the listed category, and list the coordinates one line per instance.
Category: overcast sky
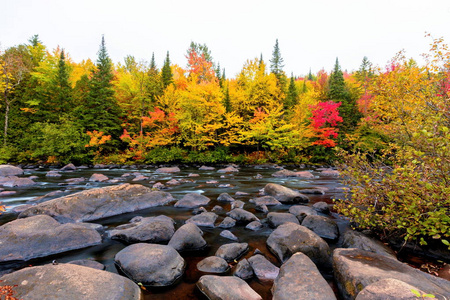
(311, 34)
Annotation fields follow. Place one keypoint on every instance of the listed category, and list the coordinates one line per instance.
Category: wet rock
(206, 168)
(255, 225)
(226, 185)
(242, 216)
(192, 200)
(231, 252)
(96, 177)
(7, 193)
(140, 177)
(330, 173)
(8, 170)
(100, 203)
(355, 269)
(41, 236)
(301, 211)
(300, 276)
(48, 196)
(74, 181)
(206, 219)
(241, 194)
(315, 191)
(158, 186)
(387, 289)
(213, 264)
(228, 235)
(193, 175)
(14, 181)
(227, 223)
(212, 182)
(237, 204)
(355, 239)
(151, 264)
(243, 270)
(188, 238)
(262, 207)
(228, 170)
(53, 174)
(100, 166)
(321, 207)
(168, 170)
(284, 194)
(286, 173)
(157, 230)
(226, 287)
(225, 197)
(266, 200)
(258, 176)
(323, 227)
(263, 269)
(290, 238)
(275, 219)
(69, 281)
(172, 182)
(217, 209)
(199, 210)
(69, 167)
(88, 263)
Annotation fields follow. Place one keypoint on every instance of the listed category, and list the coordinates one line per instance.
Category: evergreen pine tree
(63, 90)
(166, 72)
(336, 84)
(153, 84)
(261, 61)
(226, 100)
(292, 95)
(276, 66)
(304, 87)
(310, 75)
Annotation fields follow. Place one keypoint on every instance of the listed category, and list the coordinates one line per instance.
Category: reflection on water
(244, 181)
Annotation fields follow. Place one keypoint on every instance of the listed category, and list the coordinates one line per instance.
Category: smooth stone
(266, 200)
(263, 268)
(193, 175)
(98, 178)
(70, 282)
(286, 173)
(243, 270)
(238, 193)
(192, 200)
(88, 263)
(355, 239)
(225, 197)
(299, 278)
(231, 252)
(199, 210)
(173, 182)
(301, 211)
(14, 181)
(217, 209)
(40, 236)
(323, 226)
(242, 216)
(7, 193)
(322, 207)
(290, 238)
(151, 264)
(206, 168)
(226, 287)
(262, 207)
(284, 194)
(258, 176)
(228, 170)
(158, 186)
(8, 170)
(53, 174)
(206, 219)
(68, 167)
(275, 219)
(228, 235)
(255, 225)
(157, 230)
(73, 181)
(188, 238)
(168, 170)
(227, 223)
(139, 178)
(330, 173)
(98, 203)
(237, 204)
(389, 288)
(315, 190)
(213, 264)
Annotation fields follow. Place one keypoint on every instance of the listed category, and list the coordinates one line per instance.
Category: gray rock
(243, 270)
(227, 223)
(355, 269)
(70, 282)
(323, 226)
(193, 175)
(98, 178)
(73, 181)
(158, 186)
(7, 193)
(299, 278)
(355, 239)
(321, 207)
(286, 173)
(213, 264)
(228, 235)
(158, 230)
(255, 225)
(284, 194)
(319, 190)
(228, 170)
(192, 200)
(98, 203)
(238, 193)
(8, 170)
(262, 207)
(242, 216)
(330, 173)
(217, 209)
(206, 168)
(266, 200)
(233, 251)
(53, 174)
(168, 170)
(387, 289)
(140, 177)
(69, 167)
(225, 197)
(237, 204)
(290, 238)
(151, 264)
(188, 238)
(88, 263)
(301, 211)
(41, 236)
(263, 269)
(14, 181)
(226, 287)
(173, 182)
(199, 210)
(275, 219)
(206, 219)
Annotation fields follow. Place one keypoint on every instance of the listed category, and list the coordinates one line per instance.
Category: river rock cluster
(304, 241)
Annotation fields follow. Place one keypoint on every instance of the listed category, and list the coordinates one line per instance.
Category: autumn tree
(200, 63)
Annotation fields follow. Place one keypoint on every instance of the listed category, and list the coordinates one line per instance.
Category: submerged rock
(226, 287)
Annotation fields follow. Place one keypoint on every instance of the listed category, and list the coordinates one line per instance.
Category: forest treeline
(388, 126)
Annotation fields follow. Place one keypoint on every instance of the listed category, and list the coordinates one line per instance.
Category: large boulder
(290, 238)
(242, 216)
(168, 170)
(151, 264)
(356, 239)
(275, 219)
(323, 226)
(213, 264)
(226, 287)
(231, 252)
(299, 278)
(355, 269)
(97, 177)
(70, 282)
(188, 238)
(263, 268)
(158, 230)
(14, 181)
(389, 288)
(41, 236)
(284, 194)
(192, 200)
(205, 219)
(100, 203)
(8, 170)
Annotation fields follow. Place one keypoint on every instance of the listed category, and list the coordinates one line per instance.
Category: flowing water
(243, 181)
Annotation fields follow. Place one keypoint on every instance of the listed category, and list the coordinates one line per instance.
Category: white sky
(311, 33)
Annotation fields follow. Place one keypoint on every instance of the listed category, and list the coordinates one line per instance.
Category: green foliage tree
(276, 66)
(63, 89)
(166, 72)
(292, 94)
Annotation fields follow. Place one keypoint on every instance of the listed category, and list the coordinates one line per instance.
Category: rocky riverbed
(120, 232)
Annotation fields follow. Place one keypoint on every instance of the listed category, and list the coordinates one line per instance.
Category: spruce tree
(276, 66)
(166, 72)
(292, 95)
(63, 89)
(153, 84)
(336, 84)
(310, 75)
(226, 100)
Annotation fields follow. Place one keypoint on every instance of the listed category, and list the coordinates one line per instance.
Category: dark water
(244, 181)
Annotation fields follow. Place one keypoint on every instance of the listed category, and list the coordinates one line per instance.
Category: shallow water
(243, 181)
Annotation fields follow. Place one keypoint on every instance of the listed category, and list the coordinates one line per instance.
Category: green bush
(165, 155)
